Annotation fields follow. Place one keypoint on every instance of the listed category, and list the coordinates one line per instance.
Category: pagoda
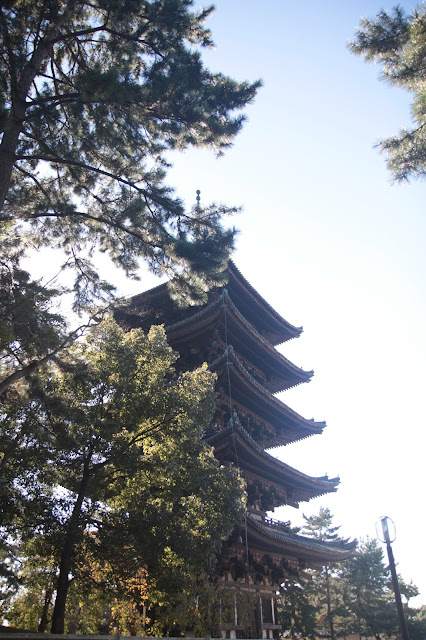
(236, 332)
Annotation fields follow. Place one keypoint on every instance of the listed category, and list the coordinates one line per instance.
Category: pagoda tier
(259, 555)
(220, 323)
(210, 329)
(157, 307)
(268, 420)
(257, 311)
(270, 482)
(274, 546)
(236, 332)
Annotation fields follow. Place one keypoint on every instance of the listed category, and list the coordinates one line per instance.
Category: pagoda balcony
(279, 525)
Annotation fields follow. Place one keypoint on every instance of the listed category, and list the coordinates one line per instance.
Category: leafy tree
(28, 608)
(203, 606)
(398, 43)
(32, 331)
(417, 623)
(27, 327)
(101, 452)
(353, 597)
(121, 477)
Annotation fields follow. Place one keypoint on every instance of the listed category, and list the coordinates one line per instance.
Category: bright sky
(333, 246)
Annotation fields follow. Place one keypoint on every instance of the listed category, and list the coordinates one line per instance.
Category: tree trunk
(73, 530)
(329, 612)
(21, 82)
(42, 626)
(7, 158)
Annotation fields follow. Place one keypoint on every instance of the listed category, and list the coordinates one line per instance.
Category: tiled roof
(271, 467)
(211, 312)
(270, 403)
(316, 550)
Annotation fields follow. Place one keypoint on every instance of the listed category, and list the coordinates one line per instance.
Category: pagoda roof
(236, 445)
(276, 538)
(259, 312)
(286, 425)
(156, 306)
(246, 340)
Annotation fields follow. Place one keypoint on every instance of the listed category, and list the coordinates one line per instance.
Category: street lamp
(385, 529)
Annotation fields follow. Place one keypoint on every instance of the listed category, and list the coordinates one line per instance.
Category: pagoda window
(267, 610)
(252, 494)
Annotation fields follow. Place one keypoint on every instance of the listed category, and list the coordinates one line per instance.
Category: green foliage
(297, 608)
(354, 597)
(93, 97)
(321, 527)
(203, 606)
(398, 43)
(325, 585)
(120, 484)
(417, 623)
(27, 608)
(107, 491)
(368, 594)
(28, 327)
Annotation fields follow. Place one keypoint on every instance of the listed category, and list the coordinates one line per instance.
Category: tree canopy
(397, 42)
(93, 96)
(106, 480)
(320, 527)
(352, 597)
(107, 487)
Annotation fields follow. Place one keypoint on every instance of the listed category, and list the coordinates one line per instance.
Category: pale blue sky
(329, 242)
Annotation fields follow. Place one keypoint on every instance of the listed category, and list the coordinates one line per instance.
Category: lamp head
(385, 529)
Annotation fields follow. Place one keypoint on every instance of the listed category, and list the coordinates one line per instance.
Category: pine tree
(320, 527)
(93, 98)
(297, 608)
(368, 595)
(398, 43)
(417, 623)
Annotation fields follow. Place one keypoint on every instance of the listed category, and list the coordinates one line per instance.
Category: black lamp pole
(401, 615)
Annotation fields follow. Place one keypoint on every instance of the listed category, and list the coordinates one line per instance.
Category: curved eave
(292, 371)
(150, 307)
(248, 454)
(156, 306)
(287, 374)
(311, 552)
(277, 328)
(288, 425)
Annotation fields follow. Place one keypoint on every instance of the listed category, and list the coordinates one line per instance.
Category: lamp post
(387, 535)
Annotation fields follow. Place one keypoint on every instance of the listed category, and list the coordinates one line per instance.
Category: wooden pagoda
(236, 332)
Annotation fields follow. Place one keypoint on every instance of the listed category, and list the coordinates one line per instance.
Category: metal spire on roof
(197, 206)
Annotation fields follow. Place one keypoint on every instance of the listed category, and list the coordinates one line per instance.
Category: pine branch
(36, 364)
(85, 167)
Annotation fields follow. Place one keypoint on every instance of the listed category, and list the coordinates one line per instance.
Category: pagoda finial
(198, 199)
